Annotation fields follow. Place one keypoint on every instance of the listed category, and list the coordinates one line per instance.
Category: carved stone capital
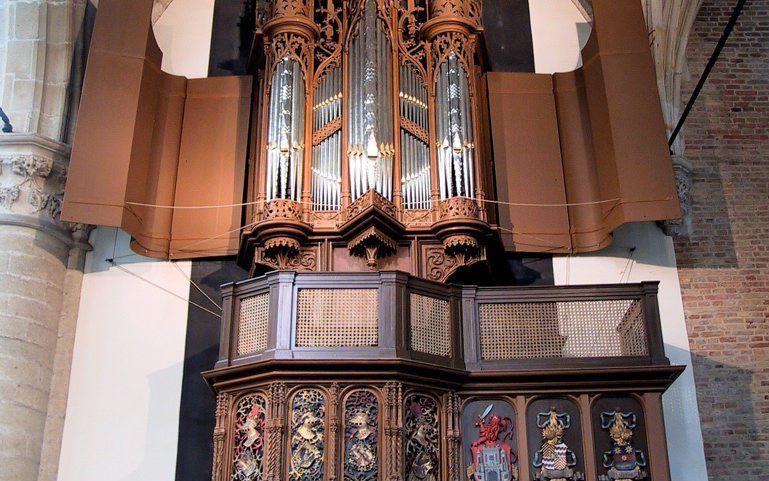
(33, 173)
(682, 170)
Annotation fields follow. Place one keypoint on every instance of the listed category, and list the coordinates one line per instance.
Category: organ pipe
(415, 151)
(326, 161)
(285, 135)
(371, 148)
(454, 130)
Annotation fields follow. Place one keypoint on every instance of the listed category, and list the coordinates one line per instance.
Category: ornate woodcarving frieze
(466, 9)
(306, 259)
(391, 430)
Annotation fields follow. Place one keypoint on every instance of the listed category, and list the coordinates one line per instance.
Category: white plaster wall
(183, 33)
(559, 32)
(125, 389)
(123, 409)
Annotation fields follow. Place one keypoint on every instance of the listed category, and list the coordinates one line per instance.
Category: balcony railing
(391, 315)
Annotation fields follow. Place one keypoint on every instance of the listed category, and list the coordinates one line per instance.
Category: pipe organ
(369, 151)
(365, 145)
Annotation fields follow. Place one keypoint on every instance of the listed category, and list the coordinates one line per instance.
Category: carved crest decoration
(554, 460)
(361, 436)
(422, 427)
(307, 436)
(624, 461)
(248, 455)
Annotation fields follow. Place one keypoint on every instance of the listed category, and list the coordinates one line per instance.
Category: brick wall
(724, 265)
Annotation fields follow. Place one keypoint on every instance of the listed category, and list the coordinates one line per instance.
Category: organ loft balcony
(578, 367)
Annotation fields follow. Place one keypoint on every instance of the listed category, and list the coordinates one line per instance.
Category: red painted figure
(489, 433)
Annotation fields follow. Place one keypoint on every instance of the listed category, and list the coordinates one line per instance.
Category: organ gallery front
(373, 174)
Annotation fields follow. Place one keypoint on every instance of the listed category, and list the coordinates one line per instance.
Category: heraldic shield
(492, 458)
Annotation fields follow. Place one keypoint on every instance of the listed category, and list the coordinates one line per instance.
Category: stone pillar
(41, 258)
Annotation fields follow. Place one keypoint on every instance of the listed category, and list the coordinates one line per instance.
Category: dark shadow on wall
(507, 31)
(232, 36)
(726, 396)
(711, 243)
(198, 404)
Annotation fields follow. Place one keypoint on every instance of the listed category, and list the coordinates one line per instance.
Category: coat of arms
(492, 457)
(623, 462)
(555, 460)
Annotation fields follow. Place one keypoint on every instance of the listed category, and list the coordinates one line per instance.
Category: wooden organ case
(366, 153)
(349, 355)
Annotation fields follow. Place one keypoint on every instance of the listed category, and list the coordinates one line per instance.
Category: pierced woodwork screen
(361, 436)
(337, 318)
(308, 413)
(430, 325)
(530, 330)
(252, 330)
(248, 442)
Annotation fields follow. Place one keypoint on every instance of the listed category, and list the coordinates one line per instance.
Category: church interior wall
(123, 415)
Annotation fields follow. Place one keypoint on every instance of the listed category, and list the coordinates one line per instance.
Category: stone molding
(33, 174)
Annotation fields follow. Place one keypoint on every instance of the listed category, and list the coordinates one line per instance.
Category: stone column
(41, 258)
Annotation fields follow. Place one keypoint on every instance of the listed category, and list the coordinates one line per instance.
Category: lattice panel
(530, 330)
(337, 318)
(430, 325)
(252, 332)
(632, 331)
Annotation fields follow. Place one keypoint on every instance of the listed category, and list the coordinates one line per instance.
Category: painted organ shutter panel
(594, 137)
(148, 137)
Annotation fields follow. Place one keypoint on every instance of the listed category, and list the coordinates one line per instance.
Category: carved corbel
(461, 231)
(372, 244)
(280, 233)
(682, 169)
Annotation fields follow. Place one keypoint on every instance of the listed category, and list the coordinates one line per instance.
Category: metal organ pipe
(454, 130)
(285, 136)
(326, 157)
(415, 153)
(370, 108)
